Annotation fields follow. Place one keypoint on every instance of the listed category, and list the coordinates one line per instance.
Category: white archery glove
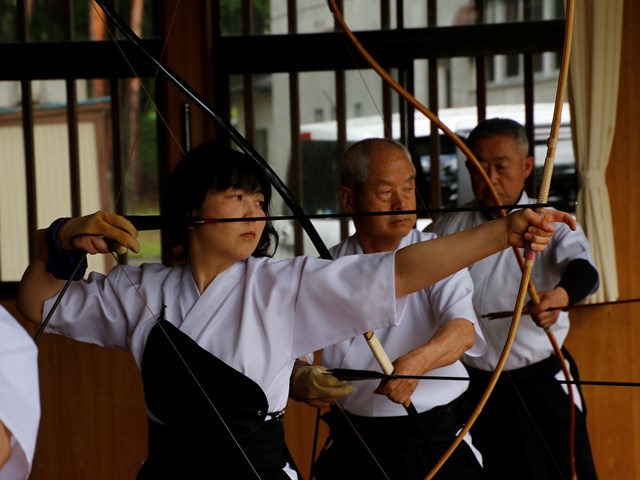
(313, 381)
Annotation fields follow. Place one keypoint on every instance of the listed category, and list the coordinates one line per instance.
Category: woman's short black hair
(212, 166)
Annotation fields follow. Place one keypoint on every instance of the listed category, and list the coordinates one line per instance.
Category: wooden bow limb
(389, 80)
(525, 283)
(469, 154)
(548, 170)
(458, 142)
(544, 195)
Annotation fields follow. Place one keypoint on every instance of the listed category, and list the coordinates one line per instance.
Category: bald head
(358, 158)
(377, 176)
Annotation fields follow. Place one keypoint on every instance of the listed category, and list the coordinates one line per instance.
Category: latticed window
(82, 116)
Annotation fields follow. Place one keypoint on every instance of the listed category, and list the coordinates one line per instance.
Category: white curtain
(593, 88)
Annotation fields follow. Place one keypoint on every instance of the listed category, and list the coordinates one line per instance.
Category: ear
(467, 163)
(346, 199)
(528, 165)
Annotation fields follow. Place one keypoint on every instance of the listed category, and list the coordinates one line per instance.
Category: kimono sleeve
(344, 298)
(103, 310)
(453, 298)
(19, 395)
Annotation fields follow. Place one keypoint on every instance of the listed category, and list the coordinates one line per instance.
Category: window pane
(232, 22)
(8, 21)
(46, 21)
(90, 22)
(535, 10)
(490, 68)
(319, 148)
(53, 168)
(512, 65)
(538, 65)
(49, 21)
(14, 244)
(140, 158)
(557, 9)
(459, 12)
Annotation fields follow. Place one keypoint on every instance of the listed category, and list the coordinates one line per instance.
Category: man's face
(502, 158)
(391, 186)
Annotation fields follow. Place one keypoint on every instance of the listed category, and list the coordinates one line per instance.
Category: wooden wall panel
(604, 342)
(623, 173)
(300, 434)
(93, 423)
(93, 412)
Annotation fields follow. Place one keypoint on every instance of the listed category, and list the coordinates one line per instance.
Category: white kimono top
(257, 316)
(19, 395)
(426, 311)
(496, 282)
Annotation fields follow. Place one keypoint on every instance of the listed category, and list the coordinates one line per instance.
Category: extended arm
(100, 232)
(422, 264)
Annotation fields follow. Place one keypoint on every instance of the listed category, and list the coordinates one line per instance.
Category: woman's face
(228, 242)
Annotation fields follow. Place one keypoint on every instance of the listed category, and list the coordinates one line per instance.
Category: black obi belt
(211, 418)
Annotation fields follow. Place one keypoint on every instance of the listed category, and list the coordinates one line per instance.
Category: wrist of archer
(62, 263)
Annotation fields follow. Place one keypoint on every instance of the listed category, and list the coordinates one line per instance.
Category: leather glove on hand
(313, 381)
(116, 230)
(68, 240)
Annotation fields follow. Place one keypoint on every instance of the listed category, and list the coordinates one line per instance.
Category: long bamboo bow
(526, 264)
